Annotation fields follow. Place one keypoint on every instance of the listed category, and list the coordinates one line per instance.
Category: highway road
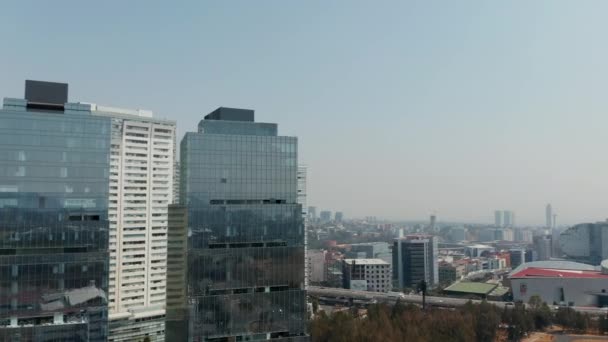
(380, 297)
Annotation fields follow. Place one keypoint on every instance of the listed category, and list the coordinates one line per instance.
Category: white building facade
(141, 188)
(573, 285)
(316, 266)
(367, 275)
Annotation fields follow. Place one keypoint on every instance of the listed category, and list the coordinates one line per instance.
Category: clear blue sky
(403, 108)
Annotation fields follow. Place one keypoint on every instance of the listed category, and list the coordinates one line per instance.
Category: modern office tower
(586, 242)
(301, 200)
(339, 216)
(141, 188)
(246, 233)
(177, 267)
(54, 183)
(367, 275)
(549, 216)
(176, 174)
(414, 260)
(312, 213)
(325, 216)
(543, 246)
(498, 218)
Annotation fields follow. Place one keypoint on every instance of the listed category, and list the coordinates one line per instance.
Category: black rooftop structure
(46, 96)
(231, 114)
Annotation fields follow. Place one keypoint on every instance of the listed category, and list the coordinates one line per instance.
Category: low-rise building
(491, 291)
(367, 275)
(449, 273)
(517, 256)
(478, 250)
(561, 282)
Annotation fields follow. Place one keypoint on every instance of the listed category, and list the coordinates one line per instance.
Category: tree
(581, 323)
(543, 317)
(535, 302)
(487, 321)
(541, 314)
(603, 324)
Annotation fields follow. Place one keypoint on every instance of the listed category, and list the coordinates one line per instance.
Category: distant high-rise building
(508, 218)
(586, 242)
(543, 246)
(507, 235)
(339, 216)
(325, 216)
(498, 218)
(414, 260)
(506, 214)
(246, 272)
(301, 199)
(523, 235)
(54, 193)
(554, 221)
(312, 213)
(549, 216)
(432, 223)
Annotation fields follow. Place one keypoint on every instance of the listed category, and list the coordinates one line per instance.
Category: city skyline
(478, 102)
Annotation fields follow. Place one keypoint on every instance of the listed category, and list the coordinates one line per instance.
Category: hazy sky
(403, 108)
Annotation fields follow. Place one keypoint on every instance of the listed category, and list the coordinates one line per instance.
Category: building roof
(366, 261)
(471, 287)
(556, 264)
(479, 246)
(535, 272)
(499, 291)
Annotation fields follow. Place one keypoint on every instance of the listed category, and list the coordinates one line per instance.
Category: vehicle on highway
(395, 294)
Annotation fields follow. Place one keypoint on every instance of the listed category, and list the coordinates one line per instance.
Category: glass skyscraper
(54, 182)
(246, 231)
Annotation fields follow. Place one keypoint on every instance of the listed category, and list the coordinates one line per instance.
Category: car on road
(395, 294)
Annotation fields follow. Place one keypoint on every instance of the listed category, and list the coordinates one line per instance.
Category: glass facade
(246, 233)
(53, 225)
